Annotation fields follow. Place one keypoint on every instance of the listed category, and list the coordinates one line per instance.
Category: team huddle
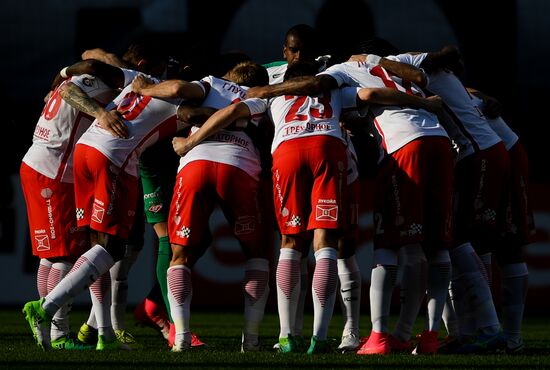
(273, 147)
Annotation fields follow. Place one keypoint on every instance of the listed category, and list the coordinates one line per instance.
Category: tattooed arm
(78, 99)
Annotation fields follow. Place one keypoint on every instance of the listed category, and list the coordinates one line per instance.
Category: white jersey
(467, 116)
(302, 116)
(395, 126)
(234, 148)
(148, 119)
(499, 126)
(59, 127)
(276, 73)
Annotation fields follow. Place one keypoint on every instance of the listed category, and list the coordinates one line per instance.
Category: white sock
(180, 293)
(383, 277)
(514, 283)
(100, 291)
(450, 317)
(60, 321)
(119, 288)
(304, 286)
(350, 292)
(42, 277)
(256, 292)
(439, 277)
(486, 260)
(469, 270)
(413, 288)
(95, 262)
(288, 289)
(325, 282)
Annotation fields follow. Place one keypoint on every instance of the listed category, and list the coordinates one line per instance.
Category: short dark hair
(301, 68)
(304, 32)
(146, 47)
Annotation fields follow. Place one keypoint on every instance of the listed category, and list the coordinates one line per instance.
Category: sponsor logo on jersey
(42, 243)
(151, 195)
(98, 213)
(245, 225)
(326, 212)
(155, 208)
(276, 75)
(42, 132)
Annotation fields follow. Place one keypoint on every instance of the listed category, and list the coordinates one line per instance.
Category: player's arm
(403, 70)
(448, 57)
(492, 108)
(219, 120)
(386, 96)
(195, 116)
(105, 57)
(78, 99)
(167, 89)
(305, 85)
(112, 76)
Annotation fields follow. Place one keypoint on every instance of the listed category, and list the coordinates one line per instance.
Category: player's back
(60, 126)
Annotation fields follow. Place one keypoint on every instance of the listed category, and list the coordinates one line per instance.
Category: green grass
(222, 333)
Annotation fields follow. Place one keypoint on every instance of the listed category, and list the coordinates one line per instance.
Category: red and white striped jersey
(60, 126)
(467, 117)
(148, 119)
(394, 126)
(301, 116)
(234, 148)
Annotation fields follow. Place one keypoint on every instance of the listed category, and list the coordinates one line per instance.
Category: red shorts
(481, 190)
(199, 186)
(520, 225)
(51, 213)
(309, 183)
(413, 195)
(106, 196)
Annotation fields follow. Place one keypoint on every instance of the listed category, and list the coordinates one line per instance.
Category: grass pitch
(222, 333)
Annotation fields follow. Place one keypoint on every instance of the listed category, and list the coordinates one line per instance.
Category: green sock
(163, 262)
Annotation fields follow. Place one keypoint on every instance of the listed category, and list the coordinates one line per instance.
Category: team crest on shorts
(245, 225)
(42, 242)
(98, 213)
(325, 212)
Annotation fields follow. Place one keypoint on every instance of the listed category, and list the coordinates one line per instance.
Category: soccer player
(158, 167)
(305, 128)
(302, 44)
(224, 170)
(48, 186)
(105, 165)
(415, 222)
(520, 227)
(481, 175)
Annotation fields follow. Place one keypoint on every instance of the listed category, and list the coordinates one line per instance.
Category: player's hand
(181, 145)
(57, 81)
(113, 122)
(139, 83)
(256, 92)
(434, 104)
(492, 108)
